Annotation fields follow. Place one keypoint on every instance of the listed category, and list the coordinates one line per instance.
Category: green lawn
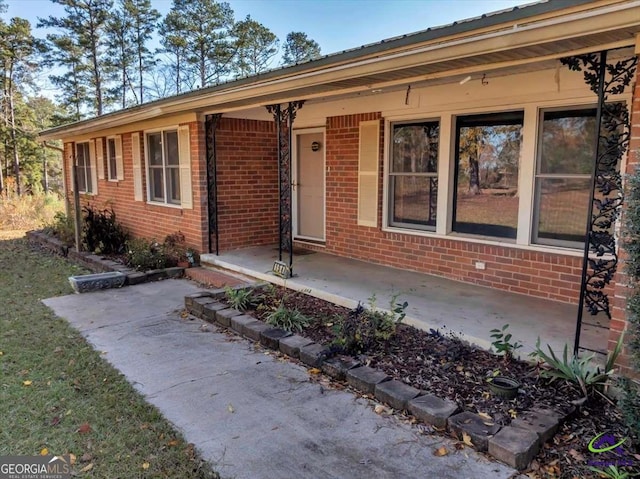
(58, 394)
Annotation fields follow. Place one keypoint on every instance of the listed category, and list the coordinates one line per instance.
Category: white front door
(308, 186)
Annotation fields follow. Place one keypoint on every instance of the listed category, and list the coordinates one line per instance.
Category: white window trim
(109, 178)
(388, 173)
(526, 175)
(146, 133)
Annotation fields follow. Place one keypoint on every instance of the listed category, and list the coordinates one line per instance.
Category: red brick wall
(247, 164)
(148, 220)
(619, 321)
(545, 275)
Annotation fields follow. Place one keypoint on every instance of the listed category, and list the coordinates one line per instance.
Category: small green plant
(363, 327)
(145, 255)
(579, 371)
(101, 232)
(240, 299)
(288, 319)
(610, 472)
(502, 342)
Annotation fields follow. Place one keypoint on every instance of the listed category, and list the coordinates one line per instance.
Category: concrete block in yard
(209, 310)
(473, 425)
(254, 329)
(560, 414)
(271, 337)
(338, 366)
(239, 322)
(514, 446)
(188, 299)
(432, 410)
(313, 355)
(92, 282)
(543, 425)
(136, 277)
(365, 378)
(223, 316)
(292, 344)
(395, 393)
(156, 275)
(175, 272)
(198, 305)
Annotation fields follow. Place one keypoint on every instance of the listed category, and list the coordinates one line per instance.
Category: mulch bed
(449, 368)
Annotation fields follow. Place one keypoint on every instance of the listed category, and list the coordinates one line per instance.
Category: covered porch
(466, 310)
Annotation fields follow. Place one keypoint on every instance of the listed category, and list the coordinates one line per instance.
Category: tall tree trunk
(14, 140)
(139, 49)
(45, 173)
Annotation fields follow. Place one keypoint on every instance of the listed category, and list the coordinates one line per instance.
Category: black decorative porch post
(284, 117)
(600, 255)
(211, 124)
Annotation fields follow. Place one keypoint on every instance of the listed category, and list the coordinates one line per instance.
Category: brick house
(464, 151)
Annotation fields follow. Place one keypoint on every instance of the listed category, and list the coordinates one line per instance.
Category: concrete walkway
(253, 415)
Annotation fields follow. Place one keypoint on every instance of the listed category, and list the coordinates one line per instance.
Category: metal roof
(375, 50)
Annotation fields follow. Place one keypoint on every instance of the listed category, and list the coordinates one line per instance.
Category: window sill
(490, 241)
(166, 205)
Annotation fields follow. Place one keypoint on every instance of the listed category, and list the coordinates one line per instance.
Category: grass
(59, 394)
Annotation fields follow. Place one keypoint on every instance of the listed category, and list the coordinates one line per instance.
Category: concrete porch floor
(467, 310)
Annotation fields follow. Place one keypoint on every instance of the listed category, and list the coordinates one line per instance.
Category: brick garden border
(516, 445)
(98, 264)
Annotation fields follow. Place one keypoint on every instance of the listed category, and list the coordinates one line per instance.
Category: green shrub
(288, 319)
(145, 255)
(362, 328)
(630, 406)
(101, 232)
(62, 228)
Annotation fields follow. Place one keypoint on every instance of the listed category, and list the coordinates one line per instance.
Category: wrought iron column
(605, 196)
(211, 124)
(284, 117)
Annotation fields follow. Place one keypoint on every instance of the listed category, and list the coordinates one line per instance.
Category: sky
(336, 25)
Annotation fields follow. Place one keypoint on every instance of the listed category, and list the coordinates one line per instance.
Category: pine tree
(84, 28)
(199, 31)
(17, 50)
(256, 47)
(298, 48)
(144, 19)
(121, 56)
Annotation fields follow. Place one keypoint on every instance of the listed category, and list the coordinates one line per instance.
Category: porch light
(465, 80)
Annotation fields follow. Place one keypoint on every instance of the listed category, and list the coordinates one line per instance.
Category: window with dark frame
(83, 161)
(413, 175)
(164, 167)
(112, 165)
(566, 154)
(487, 155)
